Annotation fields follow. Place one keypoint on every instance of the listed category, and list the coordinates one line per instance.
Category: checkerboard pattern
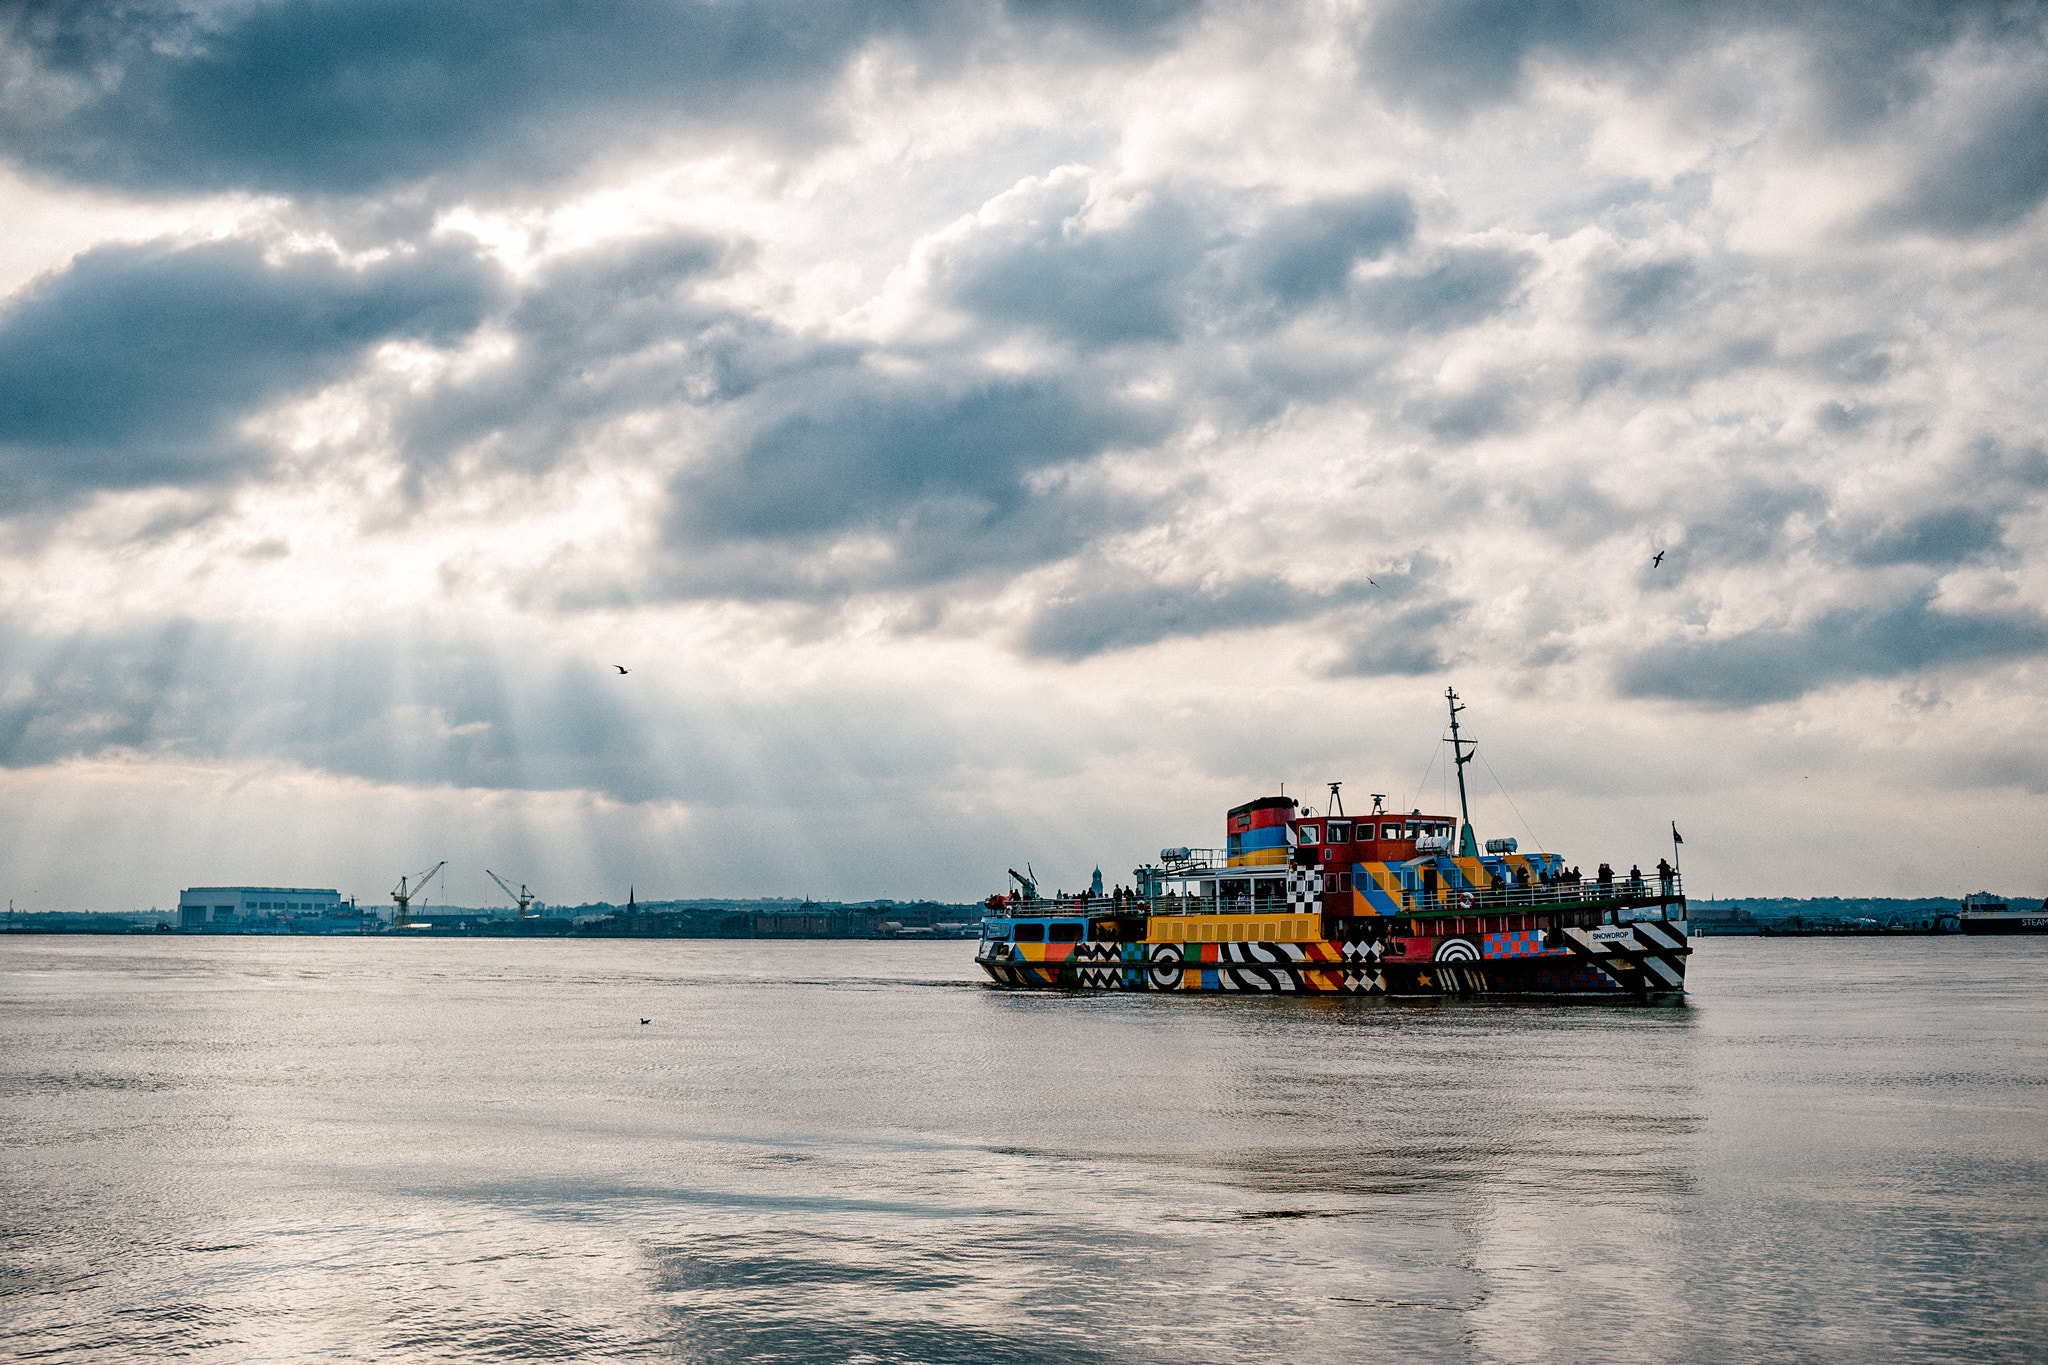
(1515, 943)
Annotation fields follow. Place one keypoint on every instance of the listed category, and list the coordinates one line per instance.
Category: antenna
(1379, 803)
(1336, 798)
(1468, 845)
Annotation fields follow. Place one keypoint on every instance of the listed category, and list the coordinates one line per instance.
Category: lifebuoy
(1464, 900)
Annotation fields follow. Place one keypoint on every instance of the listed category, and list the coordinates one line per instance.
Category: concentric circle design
(1166, 967)
(1457, 950)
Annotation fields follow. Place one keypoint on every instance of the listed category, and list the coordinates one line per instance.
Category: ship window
(1208, 933)
(1272, 932)
(1311, 834)
(990, 929)
(1343, 881)
(1066, 933)
(1390, 831)
(1340, 834)
(1030, 933)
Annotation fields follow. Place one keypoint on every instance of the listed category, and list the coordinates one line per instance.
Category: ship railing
(1624, 895)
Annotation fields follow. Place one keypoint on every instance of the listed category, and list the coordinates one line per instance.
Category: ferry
(1984, 913)
(1379, 903)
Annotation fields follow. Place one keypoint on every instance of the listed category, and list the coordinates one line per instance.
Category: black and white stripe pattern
(1645, 957)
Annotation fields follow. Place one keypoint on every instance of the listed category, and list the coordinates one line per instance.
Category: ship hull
(2005, 924)
(1641, 960)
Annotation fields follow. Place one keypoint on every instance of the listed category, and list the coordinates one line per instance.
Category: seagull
(621, 668)
(646, 1021)
(1370, 579)
(1655, 563)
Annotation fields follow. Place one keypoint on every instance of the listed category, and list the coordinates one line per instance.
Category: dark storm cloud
(1636, 296)
(1400, 643)
(952, 473)
(1462, 287)
(1993, 176)
(131, 367)
(1843, 645)
(1941, 538)
(1865, 61)
(602, 335)
(1099, 287)
(1307, 253)
(319, 97)
(1113, 608)
(1403, 626)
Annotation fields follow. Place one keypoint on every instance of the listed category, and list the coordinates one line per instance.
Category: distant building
(237, 905)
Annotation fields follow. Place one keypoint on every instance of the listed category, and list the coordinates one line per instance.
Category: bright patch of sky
(1013, 432)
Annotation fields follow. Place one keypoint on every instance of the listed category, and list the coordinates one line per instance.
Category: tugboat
(1984, 913)
(1373, 904)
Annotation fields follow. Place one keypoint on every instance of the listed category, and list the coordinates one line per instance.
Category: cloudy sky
(994, 432)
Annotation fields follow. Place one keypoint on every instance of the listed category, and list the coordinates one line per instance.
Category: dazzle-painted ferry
(1370, 904)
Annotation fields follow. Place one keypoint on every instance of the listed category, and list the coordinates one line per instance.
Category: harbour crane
(522, 895)
(404, 893)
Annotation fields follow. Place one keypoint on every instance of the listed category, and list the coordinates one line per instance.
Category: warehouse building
(237, 905)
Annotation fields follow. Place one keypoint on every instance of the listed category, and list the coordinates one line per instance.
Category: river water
(261, 1149)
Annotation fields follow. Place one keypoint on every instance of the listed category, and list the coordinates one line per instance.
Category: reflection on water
(244, 1149)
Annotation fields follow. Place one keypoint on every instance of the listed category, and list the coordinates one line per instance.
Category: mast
(1468, 843)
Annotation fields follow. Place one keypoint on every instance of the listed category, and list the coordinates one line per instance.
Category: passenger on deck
(1664, 874)
(1605, 877)
(1635, 879)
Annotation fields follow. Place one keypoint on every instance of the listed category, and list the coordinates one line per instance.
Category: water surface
(259, 1149)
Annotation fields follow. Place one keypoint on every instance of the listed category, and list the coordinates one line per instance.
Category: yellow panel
(1193, 929)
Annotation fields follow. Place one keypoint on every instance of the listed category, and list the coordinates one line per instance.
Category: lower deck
(1618, 950)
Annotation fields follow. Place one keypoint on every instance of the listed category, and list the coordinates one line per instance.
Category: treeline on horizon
(1818, 908)
(784, 904)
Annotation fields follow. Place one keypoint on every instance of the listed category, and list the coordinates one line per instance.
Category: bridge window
(1029, 933)
(1311, 834)
(1066, 933)
(1340, 833)
(1390, 831)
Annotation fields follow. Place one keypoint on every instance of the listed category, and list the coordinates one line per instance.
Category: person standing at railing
(1664, 873)
(1635, 879)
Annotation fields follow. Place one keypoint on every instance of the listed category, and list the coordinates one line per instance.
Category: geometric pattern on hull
(1641, 959)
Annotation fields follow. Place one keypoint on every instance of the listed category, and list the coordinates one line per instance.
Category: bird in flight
(646, 1021)
(620, 667)
(1370, 579)
(1655, 563)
